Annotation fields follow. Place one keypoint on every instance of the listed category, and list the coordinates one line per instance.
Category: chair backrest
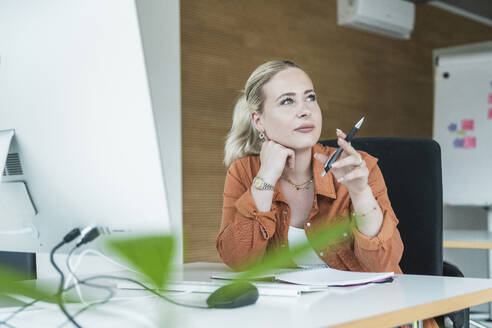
(412, 172)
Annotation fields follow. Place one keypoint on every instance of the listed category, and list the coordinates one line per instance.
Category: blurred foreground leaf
(150, 255)
(10, 284)
(324, 236)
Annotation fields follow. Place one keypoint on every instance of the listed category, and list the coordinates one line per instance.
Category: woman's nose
(304, 111)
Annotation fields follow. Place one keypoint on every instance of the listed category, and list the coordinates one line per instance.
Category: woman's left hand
(350, 169)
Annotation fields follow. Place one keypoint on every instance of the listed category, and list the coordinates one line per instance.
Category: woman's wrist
(368, 213)
(365, 193)
(267, 177)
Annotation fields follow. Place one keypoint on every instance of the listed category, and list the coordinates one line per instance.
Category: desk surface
(407, 299)
(478, 239)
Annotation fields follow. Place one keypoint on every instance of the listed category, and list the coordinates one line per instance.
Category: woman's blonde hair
(243, 138)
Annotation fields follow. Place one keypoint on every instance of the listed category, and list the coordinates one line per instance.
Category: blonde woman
(274, 195)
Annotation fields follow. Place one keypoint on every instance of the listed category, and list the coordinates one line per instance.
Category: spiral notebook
(316, 276)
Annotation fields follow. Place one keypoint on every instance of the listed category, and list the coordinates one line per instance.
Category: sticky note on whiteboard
(470, 142)
(458, 143)
(490, 98)
(452, 127)
(467, 125)
(489, 116)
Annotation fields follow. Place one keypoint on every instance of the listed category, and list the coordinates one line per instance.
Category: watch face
(258, 182)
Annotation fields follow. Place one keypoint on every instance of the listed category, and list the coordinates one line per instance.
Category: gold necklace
(302, 186)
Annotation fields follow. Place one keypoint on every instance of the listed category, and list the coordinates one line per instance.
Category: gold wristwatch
(262, 185)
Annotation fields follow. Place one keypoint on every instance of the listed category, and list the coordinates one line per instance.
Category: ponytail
(243, 139)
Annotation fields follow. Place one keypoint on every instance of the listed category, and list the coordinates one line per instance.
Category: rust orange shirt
(246, 234)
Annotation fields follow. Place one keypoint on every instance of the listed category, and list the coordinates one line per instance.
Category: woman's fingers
(347, 147)
(352, 160)
(291, 158)
(274, 158)
(341, 134)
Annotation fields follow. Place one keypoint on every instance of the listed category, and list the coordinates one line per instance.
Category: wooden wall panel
(355, 74)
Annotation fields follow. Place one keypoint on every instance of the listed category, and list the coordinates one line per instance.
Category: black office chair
(412, 173)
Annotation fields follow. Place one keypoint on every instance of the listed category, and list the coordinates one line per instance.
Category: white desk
(408, 298)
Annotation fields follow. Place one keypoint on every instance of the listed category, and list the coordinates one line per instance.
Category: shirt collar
(323, 185)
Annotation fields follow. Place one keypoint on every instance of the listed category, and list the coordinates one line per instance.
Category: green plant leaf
(323, 237)
(10, 284)
(150, 255)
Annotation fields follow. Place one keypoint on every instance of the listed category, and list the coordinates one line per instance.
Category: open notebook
(316, 276)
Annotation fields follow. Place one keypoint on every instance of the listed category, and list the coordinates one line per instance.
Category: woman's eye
(311, 97)
(287, 101)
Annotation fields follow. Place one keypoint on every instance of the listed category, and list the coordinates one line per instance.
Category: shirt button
(345, 234)
(285, 212)
(308, 224)
(320, 253)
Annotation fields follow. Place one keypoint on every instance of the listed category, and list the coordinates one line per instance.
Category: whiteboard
(463, 126)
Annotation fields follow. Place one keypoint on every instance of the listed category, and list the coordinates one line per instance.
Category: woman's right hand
(274, 157)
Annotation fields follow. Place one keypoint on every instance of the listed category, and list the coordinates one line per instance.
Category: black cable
(25, 306)
(88, 237)
(92, 234)
(61, 304)
(148, 289)
(104, 301)
(16, 312)
(7, 324)
(77, 280)
(82, 282)
(74, 233)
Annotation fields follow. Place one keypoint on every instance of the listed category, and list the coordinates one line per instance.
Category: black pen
(335, 156)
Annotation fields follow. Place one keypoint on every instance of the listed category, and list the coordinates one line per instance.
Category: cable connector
(89, 236)
(74, 233)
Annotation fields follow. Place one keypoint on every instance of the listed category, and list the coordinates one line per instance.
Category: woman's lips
(305, 129)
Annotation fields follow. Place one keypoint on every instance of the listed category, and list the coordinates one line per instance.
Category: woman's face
(291, 115)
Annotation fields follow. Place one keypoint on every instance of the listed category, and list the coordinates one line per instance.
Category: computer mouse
(233, 295)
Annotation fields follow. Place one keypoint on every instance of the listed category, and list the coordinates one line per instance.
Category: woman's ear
(257, 121)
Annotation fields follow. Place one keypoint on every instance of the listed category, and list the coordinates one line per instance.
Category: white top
(296, 237)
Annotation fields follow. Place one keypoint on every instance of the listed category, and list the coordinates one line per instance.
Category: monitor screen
(84, 148)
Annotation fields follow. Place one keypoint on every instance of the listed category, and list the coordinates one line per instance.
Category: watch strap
(260, 184)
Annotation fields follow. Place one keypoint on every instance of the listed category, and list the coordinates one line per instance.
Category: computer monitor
(74, 90)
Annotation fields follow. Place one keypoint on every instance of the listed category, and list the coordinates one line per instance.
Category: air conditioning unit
(392, 18)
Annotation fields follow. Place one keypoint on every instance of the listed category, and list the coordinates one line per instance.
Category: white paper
(332, 277)
(320, 277)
